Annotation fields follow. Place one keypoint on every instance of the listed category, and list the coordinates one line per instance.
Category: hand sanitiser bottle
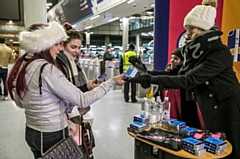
(145, 107)
(154, 115)
(159, 105)
(166, 108)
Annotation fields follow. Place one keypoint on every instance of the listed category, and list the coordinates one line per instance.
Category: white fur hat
(201, 16)
(43, 38)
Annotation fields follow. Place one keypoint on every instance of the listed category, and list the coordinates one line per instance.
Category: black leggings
(33, 139)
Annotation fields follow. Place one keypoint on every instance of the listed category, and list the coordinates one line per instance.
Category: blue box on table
(188, 131)
(141, 118)
(215, 143)
(193, 143)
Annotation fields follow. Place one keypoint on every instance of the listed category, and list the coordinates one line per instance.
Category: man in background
(6, 57)
(123, 66)
(107, 56)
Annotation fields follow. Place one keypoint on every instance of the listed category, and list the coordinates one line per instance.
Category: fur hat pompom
(201, 16)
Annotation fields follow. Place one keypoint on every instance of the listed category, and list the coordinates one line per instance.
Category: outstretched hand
(136, 62)
(144, 80)
(119, 80)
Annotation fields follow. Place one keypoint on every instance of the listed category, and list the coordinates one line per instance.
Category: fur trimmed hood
(42, 38)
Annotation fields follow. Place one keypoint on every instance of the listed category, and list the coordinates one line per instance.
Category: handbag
(64, 149)
(88, 142)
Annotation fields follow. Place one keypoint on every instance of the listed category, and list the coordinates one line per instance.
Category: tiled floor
(111, 118)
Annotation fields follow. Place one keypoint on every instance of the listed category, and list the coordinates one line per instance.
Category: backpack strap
(40, 78)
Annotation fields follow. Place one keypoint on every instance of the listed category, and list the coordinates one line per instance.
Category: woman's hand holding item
(144, 80)
(92, 84)
(119, 80)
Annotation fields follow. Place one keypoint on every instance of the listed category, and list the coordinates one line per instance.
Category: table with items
(174, 140)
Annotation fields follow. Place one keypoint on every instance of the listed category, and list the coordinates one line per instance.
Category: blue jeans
(33, 139)
(3, 76)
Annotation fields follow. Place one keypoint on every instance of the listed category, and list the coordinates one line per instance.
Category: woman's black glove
(144, 80)
(136, 62)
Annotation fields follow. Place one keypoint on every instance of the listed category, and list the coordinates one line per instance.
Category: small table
(144, 150)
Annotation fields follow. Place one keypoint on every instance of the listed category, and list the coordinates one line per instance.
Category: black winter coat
(217, 91)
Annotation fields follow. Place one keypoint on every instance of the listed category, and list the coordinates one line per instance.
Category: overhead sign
(74, 11)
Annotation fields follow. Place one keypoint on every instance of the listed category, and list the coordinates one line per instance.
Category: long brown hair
(71, 33)
(19, 69)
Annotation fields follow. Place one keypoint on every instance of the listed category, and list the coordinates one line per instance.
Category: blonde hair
(198, 33)
(212, 3)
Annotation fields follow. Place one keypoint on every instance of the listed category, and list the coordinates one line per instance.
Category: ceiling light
(89, 32)
(94, 17)
(130, 1)
(149, 13)
(110, 20)
(88, 27)
(47, 7)
(49, 4)
(153, 5)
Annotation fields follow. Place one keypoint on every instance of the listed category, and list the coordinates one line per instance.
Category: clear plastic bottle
(154, 118)
(159, 105)
(152, 103)
(145, 107)
(166, 108)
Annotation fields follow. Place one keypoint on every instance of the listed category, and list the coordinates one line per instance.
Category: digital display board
(10, 10)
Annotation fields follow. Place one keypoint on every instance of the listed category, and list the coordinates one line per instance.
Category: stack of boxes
(173, 125)
(198, 147)
(193, 146)
(215, 146)
(140, 122)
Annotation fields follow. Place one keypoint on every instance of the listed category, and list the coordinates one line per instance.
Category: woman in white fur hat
(207, 76)
(45, 112)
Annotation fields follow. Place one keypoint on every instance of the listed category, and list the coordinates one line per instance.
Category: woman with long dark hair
(47, 112)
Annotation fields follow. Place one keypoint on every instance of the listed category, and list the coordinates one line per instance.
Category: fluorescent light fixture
(49, 4)
(149, 12)
(88, 27)
(89, 32)
(47, 7)
(153, 5)
(93, 46)
(95, 17)
(130, 1)
(110, 20)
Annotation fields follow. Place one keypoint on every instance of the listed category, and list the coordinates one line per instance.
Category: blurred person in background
(107, 56)
(6, 57)
(123, 66)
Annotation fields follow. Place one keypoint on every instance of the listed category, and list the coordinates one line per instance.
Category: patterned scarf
(68, 66)
(195, 51)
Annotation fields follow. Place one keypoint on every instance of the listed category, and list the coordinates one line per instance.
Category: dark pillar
(161, 25)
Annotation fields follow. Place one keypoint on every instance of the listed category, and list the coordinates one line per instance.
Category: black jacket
(217, 91)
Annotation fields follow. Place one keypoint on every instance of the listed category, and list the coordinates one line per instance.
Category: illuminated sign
(11, 28)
